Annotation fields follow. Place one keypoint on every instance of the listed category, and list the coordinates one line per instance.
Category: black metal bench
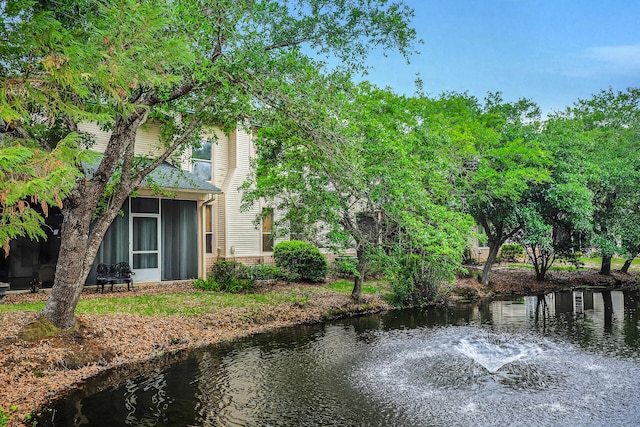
(113, 274)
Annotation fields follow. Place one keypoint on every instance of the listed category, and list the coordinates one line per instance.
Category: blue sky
(551, 51)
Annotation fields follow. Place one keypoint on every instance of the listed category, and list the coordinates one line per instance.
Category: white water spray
(493, 356)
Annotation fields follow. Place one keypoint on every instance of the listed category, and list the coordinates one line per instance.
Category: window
(208, 229)
(145, 205)
(201, 164)
(267, 230)
(482, 236)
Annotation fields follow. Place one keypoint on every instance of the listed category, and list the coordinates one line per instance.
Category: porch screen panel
(145, 238)
(179, 239)
(115, 245)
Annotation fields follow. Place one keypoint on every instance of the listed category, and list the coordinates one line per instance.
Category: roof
(167, 176)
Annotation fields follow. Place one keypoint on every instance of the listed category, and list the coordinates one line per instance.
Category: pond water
(569, 358)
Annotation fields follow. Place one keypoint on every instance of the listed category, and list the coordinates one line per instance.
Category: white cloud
(598, 62)
(613, 59)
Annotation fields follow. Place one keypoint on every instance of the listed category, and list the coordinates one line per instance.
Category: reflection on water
(146, 411)
(569, 358)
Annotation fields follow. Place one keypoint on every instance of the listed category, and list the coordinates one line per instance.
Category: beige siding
(235, 229)
(241, 233)
(220, 152)
(231, 167)
(147, 139)
(220, 234)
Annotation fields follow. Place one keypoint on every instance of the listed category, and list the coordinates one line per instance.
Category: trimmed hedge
(302, 259)
(267, 272)
(509, 252)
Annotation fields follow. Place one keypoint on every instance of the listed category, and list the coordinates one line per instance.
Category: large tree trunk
(74, 263)
(79, 239)
(356, 294)
(606, 266)
(494, 248)
(626, 265)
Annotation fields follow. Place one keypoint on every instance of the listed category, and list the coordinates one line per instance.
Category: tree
(558, 214)
(377, 175)
(509, 162)
(609, 124)
(555, 218)
(33, 178)
(184, 63)
(630, 235)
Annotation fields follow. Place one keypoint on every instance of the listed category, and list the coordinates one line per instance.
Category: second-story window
(202, 165)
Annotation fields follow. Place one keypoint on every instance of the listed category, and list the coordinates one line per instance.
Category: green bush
(411, 287)
(226, 276)
(376, 266)
(267, 272)
(302, 259)
(416, 281)
(207, 284)
(510, 252)
(345, 266)
(572, 258)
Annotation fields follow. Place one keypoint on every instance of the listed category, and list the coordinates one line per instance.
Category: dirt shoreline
(521, 281)
(32, 373)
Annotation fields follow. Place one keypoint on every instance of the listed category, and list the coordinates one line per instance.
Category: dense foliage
(32, 181)
(378, 174)
(226, 276)
(302, 260)
(416, 281)
(186, 65)
(603, 132)
(511, 251)
(399, 179)
(268, 272)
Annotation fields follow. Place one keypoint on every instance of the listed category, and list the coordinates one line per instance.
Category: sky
(553, 52)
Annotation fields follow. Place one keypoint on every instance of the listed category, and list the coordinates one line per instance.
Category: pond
(569, 358)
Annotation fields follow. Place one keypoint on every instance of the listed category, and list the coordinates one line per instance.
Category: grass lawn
(195, 303)
(346, 286)
(590, 263)
(616, 264)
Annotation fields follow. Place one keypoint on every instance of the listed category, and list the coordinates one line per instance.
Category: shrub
(572, 258)
(345, 266)
(376, 266)
(509, 252)
(226, 276)
(415, 280)
(207, 284)
(302, 259)
(267, 272)
(231, 276)
(410, 286)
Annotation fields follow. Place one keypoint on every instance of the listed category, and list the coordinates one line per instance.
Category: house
(478, 250)
(165, 238)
